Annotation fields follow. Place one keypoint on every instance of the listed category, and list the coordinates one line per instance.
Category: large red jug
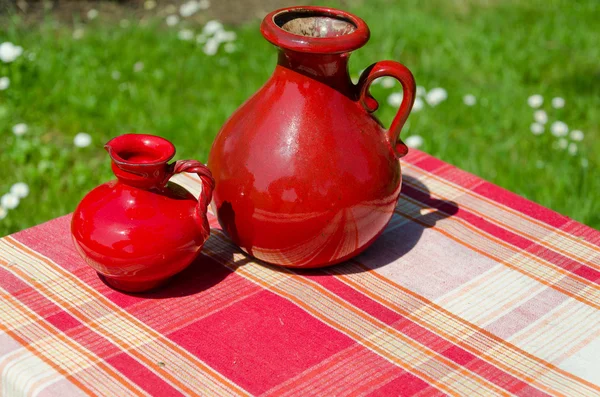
(305, 175)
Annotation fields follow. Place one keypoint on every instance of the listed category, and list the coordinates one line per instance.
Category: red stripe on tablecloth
(142, 376)
(234, 342)
(423, 336)
(320, 380)
(518, 241)
(406, 385)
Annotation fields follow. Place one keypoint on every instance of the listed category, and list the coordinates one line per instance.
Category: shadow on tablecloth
(416, 212)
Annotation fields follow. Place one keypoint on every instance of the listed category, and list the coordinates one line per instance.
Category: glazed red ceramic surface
(140, 229)
(305, 175)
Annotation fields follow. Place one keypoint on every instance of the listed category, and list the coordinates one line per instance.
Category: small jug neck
(141, 160)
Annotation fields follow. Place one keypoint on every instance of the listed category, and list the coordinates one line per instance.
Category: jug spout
(141, 160)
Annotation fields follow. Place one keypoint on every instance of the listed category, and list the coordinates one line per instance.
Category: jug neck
(141, 160)
(329, 69)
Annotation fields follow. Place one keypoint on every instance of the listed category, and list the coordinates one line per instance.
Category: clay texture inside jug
(312, 24)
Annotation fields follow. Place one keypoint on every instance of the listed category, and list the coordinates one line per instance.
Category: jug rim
(277, 35)
(132, 143)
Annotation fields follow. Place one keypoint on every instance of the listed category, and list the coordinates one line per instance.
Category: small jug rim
(163, 147)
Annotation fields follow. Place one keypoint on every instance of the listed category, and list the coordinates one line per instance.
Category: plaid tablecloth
(471, 291)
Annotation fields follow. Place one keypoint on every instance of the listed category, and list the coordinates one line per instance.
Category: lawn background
(500, 51)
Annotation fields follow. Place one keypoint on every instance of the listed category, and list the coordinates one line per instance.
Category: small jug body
(305, 175)
(139, 230)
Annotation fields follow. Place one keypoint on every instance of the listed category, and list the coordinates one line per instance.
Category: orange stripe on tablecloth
(74, 346)
(544, 263)
(503, 207)
(442, 318)
(116, 309)
(346, 328)
(513, 229)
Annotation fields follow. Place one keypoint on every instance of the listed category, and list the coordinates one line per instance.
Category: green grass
(500, 51)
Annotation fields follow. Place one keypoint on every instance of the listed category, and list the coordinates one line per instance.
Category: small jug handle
(208, 185)
(402, 74)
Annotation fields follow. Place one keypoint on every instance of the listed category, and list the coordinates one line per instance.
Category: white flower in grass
(189, 8)
(562, 143)
(3, 213)
(212, 27)
(20, 129)
(20, 189)
(4, 83)
(395, 99)
(435, 96)
(559, 129)
(558, 102)
(92, 14)
(9, 201)
(31, 56)
(149, 4)
(172, 20)
(535, 101)
(138, 66)
(211, 47)
(536, 128)
(418, 105)
(204, 4)
(185, 35)
(388, 82)
(540, 116)
(421, 91)
(414, 141)
(572, 149)
(78, 33)
(9, 52)
(229, 47)
(469, 100)
(584, 163)
(577, 135)
(116, 75)
(82, 139)
(225, 36)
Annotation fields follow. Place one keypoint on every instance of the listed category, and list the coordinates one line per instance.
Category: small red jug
(305, 175)
(141, 229)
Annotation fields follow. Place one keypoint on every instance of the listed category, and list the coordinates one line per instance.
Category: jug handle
(208, 185)
(405, 77)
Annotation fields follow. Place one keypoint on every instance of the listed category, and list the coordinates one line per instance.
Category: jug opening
(314, 24)
(315, 30)
(140, 149)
